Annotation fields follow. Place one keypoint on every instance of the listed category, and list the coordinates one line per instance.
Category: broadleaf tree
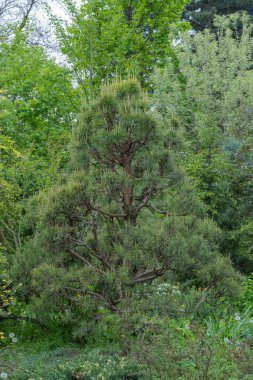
(41, 104)
(107, 39)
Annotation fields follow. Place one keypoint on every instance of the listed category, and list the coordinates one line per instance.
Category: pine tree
(126, 214)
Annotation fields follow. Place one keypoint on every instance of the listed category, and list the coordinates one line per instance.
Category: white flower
(188, 327)
(11, 335)
(251, 320)
(237, 317)
(3, 375)
(237, 342)
(14, 340)
(226, 340)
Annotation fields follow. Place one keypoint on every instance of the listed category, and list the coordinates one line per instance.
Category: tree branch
(12, 232)
(85, 261)
(148, 275)
(27, 13)
(166, 212)
(101, 255)
(94, 294)
(109, 214)
(146, 198)
(101, 259)
(6, 5)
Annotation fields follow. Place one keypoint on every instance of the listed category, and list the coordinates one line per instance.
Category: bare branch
(29, 7)
(6, 6)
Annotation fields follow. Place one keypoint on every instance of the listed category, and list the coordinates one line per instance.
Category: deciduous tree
(106, 39)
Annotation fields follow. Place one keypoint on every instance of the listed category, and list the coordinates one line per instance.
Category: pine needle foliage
(124, 216)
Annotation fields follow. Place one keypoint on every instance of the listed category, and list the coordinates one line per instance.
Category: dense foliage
(216, 113)
(126, 233)
(201, 13)
(109, 39)
(120, 219)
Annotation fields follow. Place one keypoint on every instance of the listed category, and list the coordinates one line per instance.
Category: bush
(172, 350)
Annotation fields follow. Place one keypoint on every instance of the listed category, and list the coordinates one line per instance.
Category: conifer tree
(201, 13)
(213, 105)
(124, 216)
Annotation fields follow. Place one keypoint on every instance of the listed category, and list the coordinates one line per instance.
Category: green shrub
(182, 350)
(71, 364)
(247, 291)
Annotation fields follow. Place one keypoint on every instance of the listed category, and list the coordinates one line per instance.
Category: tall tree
(212, 103)
(40, 92)
(37, 105)
(40, 110)
(117, 38)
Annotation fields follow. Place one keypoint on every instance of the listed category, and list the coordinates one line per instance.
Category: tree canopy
(214, 108)
(109, 39)
(202, 13)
